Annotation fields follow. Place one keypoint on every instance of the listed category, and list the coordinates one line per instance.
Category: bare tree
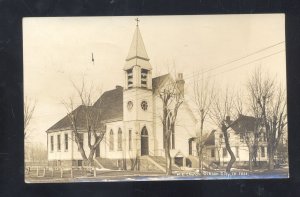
(203, 97)
(36, 153)
(29, 107)
(172, 98)
(219, 147)
(223, 106)
(250, 137)
(200, 147)
(91, 114)
(271, 101)
(251, 140)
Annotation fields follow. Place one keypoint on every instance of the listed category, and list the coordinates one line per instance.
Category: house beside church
(243, 127)
(131, 118)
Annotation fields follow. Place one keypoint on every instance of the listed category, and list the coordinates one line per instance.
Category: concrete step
(107, 163)
(162, 162)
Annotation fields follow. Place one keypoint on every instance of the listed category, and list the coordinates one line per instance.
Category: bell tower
(138, 71)
(137, 95)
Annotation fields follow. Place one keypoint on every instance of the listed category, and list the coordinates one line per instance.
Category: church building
(132, 118)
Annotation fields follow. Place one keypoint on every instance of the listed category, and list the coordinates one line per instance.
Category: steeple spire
(137, 54)
(137, 48)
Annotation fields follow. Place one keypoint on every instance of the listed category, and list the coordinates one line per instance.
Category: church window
(58, 142)
(130, 78)
(224, 152)
(119, 139)
(144, 74)
(66, 142)
(144, 105)
(129, 105)
(129, 139)
(52, 143)
(111, 140)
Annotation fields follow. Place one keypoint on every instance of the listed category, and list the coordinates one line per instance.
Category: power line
(222, 65)
(172, 83)
(243, 57)
(141, 94)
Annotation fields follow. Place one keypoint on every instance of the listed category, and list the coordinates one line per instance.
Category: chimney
(180, 83)
(227, 119)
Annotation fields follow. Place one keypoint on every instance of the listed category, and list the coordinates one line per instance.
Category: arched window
(144, 132)
(111, 140)
(144, 141)
(119, 139)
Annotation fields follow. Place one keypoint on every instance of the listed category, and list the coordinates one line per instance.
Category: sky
(58, 50)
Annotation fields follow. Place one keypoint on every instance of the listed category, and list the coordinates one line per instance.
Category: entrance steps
(155, 163)
(106, 163)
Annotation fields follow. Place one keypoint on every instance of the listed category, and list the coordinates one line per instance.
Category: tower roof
(137, 48)
(137, 54)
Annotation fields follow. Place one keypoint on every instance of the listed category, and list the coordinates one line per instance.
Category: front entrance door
(144, 142)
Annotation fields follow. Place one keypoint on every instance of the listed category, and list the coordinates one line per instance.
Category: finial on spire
(137, 21)
(93, 58)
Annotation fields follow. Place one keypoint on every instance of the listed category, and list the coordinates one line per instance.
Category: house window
(212, 153)
(66, 142)
(220, 137)
(263, 136)
(129, 139)
(111, 140)
(81, 138)
(263, 153)
(58, 142)
(237, 153)
(130, 78)
(52, 143)
(119, 139)
(241, 138)
(224, 152)
(144, 73)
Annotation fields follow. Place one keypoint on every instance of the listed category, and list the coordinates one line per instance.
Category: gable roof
(158, 81)
(65, 122)
(244, 123)
(210, 139)
(110, 104)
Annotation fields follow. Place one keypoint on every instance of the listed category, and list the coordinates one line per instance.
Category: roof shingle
(110, 104)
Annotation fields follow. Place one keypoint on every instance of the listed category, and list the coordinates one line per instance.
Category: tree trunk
(271, 159)
(91, 155)
(201, 141)
(200, 159)
(250, 160)
(232, 157)
(219, 157)
(168, 159)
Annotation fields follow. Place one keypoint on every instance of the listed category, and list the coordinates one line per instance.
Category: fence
(60, 172)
